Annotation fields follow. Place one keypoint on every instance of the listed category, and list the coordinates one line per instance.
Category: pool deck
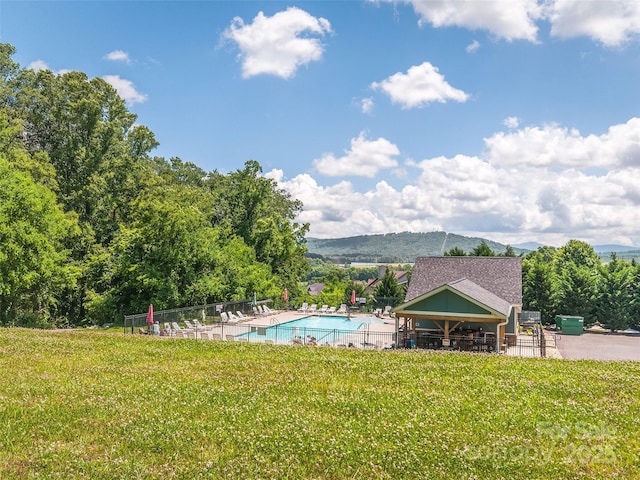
(377, 334)
(289, 315)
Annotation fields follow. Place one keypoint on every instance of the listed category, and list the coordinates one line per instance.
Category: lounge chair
(256, 311)
(331, 310)
(304, 307)
(313, 308)
(387, 311)
(200, 326)
(342, 309)
(232, 318)
(241, 315)
(224, 318)
(323, 309)
(176, 328)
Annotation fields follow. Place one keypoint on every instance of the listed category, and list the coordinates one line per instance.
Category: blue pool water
(324, 328)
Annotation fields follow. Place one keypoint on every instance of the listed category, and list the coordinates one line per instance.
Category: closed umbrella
(150, 315)
(285, 296)
(353, 297)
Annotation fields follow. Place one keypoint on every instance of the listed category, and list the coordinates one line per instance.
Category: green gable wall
(449, 302)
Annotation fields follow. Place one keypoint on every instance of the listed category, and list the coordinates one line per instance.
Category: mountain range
(406, 246)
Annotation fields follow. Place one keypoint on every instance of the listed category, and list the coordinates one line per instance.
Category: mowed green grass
(92, 404)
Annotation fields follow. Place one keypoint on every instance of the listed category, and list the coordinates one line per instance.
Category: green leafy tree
(33, 261)
(539, 286)
(482, 250)
(455, 252)
(577, 268)
(614, 305)
(388, 291)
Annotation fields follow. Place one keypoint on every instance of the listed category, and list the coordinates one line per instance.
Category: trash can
(570, 325)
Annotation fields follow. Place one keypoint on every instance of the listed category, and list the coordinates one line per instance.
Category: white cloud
(511, 122)
(610, 22)
(473, 47)
(366, 104)
(508, 19)
(365, 158)
(125, 89)
(495, 195)
(421, 85)
(280, 44)
(38, 65)
(554, 146)
(118, 56)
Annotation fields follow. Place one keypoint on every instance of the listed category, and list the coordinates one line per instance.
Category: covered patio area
(459, 315)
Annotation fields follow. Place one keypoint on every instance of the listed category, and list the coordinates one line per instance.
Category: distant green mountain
(394, 247)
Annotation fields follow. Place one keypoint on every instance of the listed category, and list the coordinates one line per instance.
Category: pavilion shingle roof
(501, 276)
(485, 297)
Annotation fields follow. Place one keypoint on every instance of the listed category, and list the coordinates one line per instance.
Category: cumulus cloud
(511, 122)
(612, 22)
(420, 86)
(555, 146)
(126, 89)
(508, 19)
(504, 194)
(365, 158)
(280, 44)
(118, 56)
(366, 105)
(38, 65)
(473, 47)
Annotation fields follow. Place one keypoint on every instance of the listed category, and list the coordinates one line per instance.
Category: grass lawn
(97, 404)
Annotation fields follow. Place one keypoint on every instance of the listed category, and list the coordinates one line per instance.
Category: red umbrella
(285, 296)
(150, 315)
(353, 297)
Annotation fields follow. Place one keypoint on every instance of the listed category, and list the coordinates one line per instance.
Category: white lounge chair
(232, 318)
(324, 309)
(313, 308)
(189, 325)
(304, 307)
(200, 326)
(331, 310)
(256, 311)
(342, 309)
(241, 315)
(176, 328)
(224, 318)
(387, 310)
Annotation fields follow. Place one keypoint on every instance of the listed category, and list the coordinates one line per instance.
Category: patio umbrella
(285, 296)
(150, 315)
(353, 297)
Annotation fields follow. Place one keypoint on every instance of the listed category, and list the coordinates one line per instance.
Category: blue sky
(514, 120)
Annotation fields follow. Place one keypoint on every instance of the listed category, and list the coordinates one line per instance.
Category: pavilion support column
(446, 329)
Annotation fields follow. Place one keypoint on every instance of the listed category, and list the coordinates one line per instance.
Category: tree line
(92, 226)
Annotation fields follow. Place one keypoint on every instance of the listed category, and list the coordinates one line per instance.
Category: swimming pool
(324, 328)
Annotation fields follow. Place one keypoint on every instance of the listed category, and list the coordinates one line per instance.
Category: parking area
(599, 346)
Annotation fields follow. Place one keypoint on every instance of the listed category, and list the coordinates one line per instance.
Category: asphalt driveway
(599, 346)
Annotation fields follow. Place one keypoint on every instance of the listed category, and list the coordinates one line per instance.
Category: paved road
(599, 346)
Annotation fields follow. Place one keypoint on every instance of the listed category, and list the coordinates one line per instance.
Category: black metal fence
(206, 314)
(284, 334)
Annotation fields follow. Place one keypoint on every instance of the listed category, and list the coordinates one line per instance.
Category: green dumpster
(570, 325)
